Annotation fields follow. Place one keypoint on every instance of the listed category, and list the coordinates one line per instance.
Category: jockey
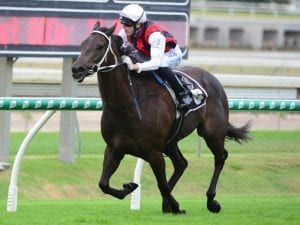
(154, 48)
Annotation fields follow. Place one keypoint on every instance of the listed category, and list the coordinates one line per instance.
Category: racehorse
(139, 113)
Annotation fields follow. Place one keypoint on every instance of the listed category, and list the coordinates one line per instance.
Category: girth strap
(175, 128)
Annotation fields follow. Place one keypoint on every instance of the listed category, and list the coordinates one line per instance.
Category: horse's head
(99, 52)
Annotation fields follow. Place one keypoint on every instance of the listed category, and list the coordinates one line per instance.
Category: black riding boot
(181, 93)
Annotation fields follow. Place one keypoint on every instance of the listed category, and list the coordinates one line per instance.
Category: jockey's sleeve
(158, 43)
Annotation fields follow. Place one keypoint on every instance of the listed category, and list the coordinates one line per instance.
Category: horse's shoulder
(144, 83)
(141, 75)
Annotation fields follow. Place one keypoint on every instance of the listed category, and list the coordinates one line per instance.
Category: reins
(98, 68)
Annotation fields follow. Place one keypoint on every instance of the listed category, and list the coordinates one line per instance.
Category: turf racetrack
(259, 185)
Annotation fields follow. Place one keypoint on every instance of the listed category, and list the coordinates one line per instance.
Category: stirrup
(184, 100)
(183, 106)
(183, 94)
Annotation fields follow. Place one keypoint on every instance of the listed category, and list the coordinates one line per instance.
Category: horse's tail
(238, 134)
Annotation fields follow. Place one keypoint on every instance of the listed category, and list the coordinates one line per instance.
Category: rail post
(68, 119)
(6, 65)
(50, 104)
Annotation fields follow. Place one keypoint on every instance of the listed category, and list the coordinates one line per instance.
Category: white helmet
(132, 14)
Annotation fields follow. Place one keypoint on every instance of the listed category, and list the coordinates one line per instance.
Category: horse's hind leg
(216, 145)
(110, 164)
(158, 167)
(180, 164)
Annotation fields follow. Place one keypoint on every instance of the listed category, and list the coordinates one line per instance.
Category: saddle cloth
(197, 93)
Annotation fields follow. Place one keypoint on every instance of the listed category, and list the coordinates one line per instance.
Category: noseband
(97, 67)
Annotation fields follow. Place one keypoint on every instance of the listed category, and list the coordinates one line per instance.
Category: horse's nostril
(74, 69)
(77, 69)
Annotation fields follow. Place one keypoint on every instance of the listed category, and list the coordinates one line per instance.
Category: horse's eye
(99, 47)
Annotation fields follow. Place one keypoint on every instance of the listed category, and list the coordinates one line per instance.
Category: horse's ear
(111, 30)
(97, 25)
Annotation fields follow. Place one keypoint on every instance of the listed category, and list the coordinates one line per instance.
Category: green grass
(244, 174)
(46, 143)
(236, 210)
(259, 184)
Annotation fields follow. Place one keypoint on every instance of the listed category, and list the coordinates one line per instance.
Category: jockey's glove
(128, 61)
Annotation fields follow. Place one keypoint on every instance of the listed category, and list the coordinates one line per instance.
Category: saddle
(197, 94)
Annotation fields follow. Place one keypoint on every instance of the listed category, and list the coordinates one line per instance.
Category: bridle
(97, 67)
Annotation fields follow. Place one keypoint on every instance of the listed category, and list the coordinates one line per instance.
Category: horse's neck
(115, 88)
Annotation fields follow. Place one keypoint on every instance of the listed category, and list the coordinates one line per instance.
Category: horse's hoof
(214, 206)
(181, 211)
(166, 207)
(130, 186)
(169, 210)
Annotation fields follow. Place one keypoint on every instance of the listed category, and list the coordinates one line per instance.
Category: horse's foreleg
(110, 164)
(157, 164)
(180, 164)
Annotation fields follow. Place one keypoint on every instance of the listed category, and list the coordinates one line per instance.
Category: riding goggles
(126, 22)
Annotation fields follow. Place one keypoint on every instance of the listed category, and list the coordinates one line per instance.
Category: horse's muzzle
(79, 73)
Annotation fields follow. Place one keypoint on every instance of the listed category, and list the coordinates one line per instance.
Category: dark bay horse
(138, 115)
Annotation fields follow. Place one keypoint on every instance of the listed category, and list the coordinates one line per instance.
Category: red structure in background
(58, 31)
(44, 30)
(56, 28)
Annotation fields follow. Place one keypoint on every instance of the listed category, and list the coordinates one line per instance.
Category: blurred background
(252, 47)
(253, 24)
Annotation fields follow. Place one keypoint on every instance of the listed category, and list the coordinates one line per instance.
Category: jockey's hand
(128, 61)
(130, 64)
